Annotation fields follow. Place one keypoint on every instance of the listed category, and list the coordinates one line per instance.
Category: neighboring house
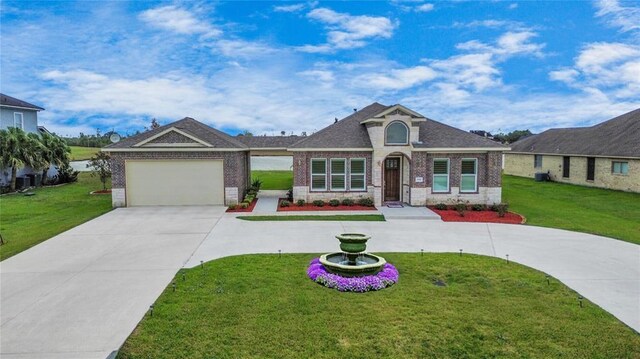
(388, 153)
(21, 114)
(606, 155)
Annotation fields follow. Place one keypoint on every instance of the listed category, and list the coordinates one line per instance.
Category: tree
(101, 165)
(512, 136)
(57, 152)
(153, 126)
(18, 150)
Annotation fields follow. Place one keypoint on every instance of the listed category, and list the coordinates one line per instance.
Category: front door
(392, 179)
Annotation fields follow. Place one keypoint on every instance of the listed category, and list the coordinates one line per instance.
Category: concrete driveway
(81, 293)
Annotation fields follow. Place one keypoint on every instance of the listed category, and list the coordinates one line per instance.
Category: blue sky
(295, 66)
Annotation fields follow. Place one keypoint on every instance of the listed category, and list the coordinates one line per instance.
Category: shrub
(66, 174)
(478, 207)
(441, 206)
(502, 209)
(460, 207)
(494, 207)
(348, 202)
(334, 203)
(256, 183)
(233, 207)
(366, 202)
(244, 205)
(300, 202)
(318, 203)
(285, 203)
(290, 195)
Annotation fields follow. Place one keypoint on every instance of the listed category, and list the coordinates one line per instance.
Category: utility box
(542, 177)
(35, 178)
(23, 182)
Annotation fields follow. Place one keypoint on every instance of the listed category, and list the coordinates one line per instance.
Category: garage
(174, 182)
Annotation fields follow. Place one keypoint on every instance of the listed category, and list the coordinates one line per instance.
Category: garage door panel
(174, 182)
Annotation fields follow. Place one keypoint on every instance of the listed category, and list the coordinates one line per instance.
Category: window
(358, 178)
(397, 133)
(441, 175)
(18, 120)
(566, 165)
(469, 175)
(591, 168)
(537, 161)
(338, 174)
(318, 175)
(620, 168)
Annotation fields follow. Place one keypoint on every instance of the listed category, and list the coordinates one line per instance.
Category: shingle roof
(619, 136)
(434, 134)
(188, 125)
(269, 141)
(346, 133)
(6, 100)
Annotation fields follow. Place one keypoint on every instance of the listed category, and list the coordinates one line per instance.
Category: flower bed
(241, 210)
(450, 215)
(326, 207)
(387, 277)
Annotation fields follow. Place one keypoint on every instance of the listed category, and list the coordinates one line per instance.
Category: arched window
(397, 133)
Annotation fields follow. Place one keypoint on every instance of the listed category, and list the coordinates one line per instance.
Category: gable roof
(619, 136)
(193, 128)
(434, 134)
(269, 141)
(346, 133)
(8, 101)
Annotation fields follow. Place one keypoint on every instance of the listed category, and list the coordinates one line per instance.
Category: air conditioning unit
(23, 182)
(542, 177)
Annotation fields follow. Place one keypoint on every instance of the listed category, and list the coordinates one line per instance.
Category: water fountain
(353, 261)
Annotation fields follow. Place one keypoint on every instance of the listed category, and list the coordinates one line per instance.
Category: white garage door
(174, 182)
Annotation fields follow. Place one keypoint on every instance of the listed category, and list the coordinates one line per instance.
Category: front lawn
(27, 221)
(593, 210)
(274, 180)
(83, 153)
(263, 306)
(338, 217)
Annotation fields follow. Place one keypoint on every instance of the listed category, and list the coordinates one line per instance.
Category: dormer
(395, 126)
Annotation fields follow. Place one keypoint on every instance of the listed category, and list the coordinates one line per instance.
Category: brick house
(606, 155)
(388, 153)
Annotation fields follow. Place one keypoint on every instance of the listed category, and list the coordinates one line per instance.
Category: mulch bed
(310, 207)
(450, 215)
(240, 210)
(102, 191)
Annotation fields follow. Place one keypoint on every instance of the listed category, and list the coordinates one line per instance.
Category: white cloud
(564, 75)
(289, 8)
(513, 6)
(179, 20)
(494, 24)
(424, 8)
(627, 18)
(398, 79)
(347, 31)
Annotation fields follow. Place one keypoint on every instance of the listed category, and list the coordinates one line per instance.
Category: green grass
(27, 221)
(274, 180)
(592, 210)
(82, 153)
(262, 306)
(337, 217)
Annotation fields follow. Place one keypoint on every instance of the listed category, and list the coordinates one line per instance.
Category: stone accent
(485, 195)
(522, 165)
(236, 166)
(172, 137)
(231, 196)
(418, 196)
(302, 192)
(118, 197)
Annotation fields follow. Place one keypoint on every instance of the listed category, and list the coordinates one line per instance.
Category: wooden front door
(392, 179)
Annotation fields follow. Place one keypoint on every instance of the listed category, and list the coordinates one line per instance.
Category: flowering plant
(385, 278)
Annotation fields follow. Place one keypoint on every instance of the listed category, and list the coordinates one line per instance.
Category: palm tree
(18, 150)
(56, 152)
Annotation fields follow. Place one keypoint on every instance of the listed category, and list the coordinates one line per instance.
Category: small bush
(256, 183)
(494, 207)
(502, 209)
(334, 203)
(66, 174)
(244, 205)
(300, 202)
(460, 207)
(348, 202)
(478, 207)
(441, 206)
(318, 203)
(290, 195)
(366, 202)
(285, 203)
(233, 207)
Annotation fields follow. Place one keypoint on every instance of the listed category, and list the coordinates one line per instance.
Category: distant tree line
(502, 137)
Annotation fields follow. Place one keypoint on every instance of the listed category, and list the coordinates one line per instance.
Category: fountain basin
(364, 264)
(353, 242)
